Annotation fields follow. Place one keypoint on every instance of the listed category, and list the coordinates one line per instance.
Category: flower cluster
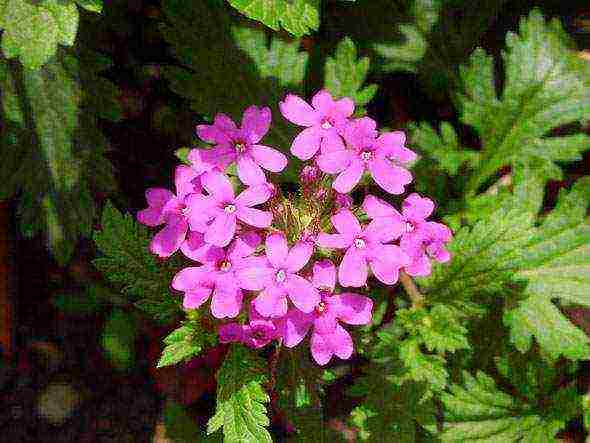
(257, 249)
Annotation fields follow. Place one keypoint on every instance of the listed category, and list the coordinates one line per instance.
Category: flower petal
(346, 223)
(335, 241)
(249, 172)
(297, 111)
(344, 107)
(254, 274)
(218, 186)
(296, 326)
(226, 301)
(321, 350)
(194, 298)
(244, 245)
(195, 248)
(298, 256)
(219, 156)
(276, 249)
(302, 293)
(269, 158)
(353, 309)
(375, 207)
(331, 141)
(254, 217)
(230, 332)
(350, 177)
(157, 199)
(341, 343)
(353, 269)
(168, 240)
(183, 176)
(191, 277)
(322, 101)
(201, 209)
(417, 208)
(324, 275)
(254, 195)
(389, 177)
(256, 122)
(325, 323)
(334, 161)
(307, 143)
(384, 230)
(271, 303)
(419, 267)
(386, 263)
(221, 231)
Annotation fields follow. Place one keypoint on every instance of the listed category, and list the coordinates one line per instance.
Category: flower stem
(412, 290)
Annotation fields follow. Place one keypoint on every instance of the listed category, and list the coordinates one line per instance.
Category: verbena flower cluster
(269, 263)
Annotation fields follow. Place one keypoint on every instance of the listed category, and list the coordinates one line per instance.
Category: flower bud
(309, 174)
(343, 201)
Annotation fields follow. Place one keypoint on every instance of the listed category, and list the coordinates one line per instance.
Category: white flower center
(321, 307)
(359, 243)
(410, 226)
(230, 209)
(281, 276)
(225, 266)
(366, 155)
(327, 124)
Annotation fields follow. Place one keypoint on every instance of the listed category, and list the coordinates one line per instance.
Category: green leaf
(118, 339)
(345, 75)
(505, 253)
(479, 411)
(182, 428)
(545, 88)
(184, 343)
(443, 148)
(127, 262)
(66, 17)
(91, 301)
(91, 5)
(299, 17)
(240, 409)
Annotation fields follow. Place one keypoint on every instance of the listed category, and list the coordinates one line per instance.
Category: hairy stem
(412, 290)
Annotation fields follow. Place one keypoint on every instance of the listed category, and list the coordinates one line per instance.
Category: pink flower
(324, 122)
(278, 279)
(309, 175)
(166, 208)
(328, 337)
(241, 145)
(382, 155)
(218, 276)
(225, 209)
(364, 247)
(256, 334)
(420, 239)
(343, 201)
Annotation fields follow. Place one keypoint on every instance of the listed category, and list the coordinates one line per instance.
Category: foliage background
(96, 99)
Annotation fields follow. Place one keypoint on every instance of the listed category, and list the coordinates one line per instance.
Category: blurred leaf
(118, 339)
(345, 75)
(93, 300)
(182, 428)
(299, 17)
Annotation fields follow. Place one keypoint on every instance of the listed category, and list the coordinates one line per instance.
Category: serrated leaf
(545, 88)
(505, 253)
(184, 343)
(479, 411)
(240, 409)
(421, 367)
(345, 75)
(443, 148)
(118, 339)
(299, 17)
(126, 261)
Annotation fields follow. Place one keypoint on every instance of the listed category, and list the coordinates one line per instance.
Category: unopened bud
(343, 201)
(309, 174)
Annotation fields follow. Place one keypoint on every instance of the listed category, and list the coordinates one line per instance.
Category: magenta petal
(254, 195)
(334, 161)
(219, 156)
(213, 134)
(191, 277)
(353, 269)
(158, 196)
(195, 248)
(269, 158)
(183, 177)
(353, 309)
(296, 326)
(417, 208)
(331, 141)
(256, 122)
(201, 209)
(221, 231)
(335, 241)
(271, 303)
(230, 332)
(387, 262)
(194, 298)
(325, 323)
(324, 275)
(419, 266)
(254, 217)
(391, 139)
(321, 350)
(151, 216)
(298, 256)
(244, 245)
(226, 302)
(350, 177)
(157, 199)
(389, 177)
(249, 172)
(323, 101)
(168, 240)
(344, 107)
(306, 144)
(341, 343)
(276, 249)
(297, 111)
(255, 274)
(302, 293)
(346, 223)
(218, 185)
(375, 207)
(384, 230)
